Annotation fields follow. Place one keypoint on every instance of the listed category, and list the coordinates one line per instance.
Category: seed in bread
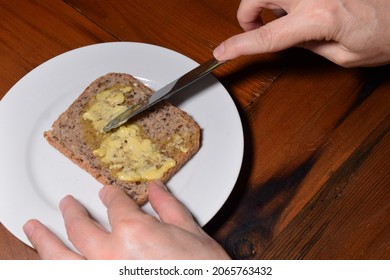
(154, 145)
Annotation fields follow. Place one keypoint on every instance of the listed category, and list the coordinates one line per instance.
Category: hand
(134, 235)
(349, 33)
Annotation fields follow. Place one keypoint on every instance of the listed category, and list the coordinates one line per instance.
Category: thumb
(169, 209)
(276, 35)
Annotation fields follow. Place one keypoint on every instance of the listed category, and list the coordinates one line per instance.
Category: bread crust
(68, 136)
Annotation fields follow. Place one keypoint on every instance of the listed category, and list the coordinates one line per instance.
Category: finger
(82, 231)
(249, 11)
(119, 206)
(49, 246)
(277, 35)
(169, 209)
(248, 15)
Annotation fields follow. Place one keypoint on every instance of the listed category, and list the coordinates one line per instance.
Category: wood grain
(31, 33)
(193, 28)
(304, 160)
(315, 177)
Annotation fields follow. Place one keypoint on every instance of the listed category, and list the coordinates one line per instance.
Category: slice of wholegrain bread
(73, 136)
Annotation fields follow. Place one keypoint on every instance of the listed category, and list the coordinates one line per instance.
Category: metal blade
(165, 92)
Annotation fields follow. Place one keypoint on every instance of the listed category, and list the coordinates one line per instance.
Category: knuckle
(75, 232)
(134, 228)
(327, 21)
(265, 38)
(325, 16)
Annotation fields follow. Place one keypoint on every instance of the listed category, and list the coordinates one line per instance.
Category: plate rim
(14, 88)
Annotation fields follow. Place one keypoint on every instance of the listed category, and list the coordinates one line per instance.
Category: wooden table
(315, 180)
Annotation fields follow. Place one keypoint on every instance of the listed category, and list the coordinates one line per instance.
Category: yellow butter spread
(127, 153)
(178, 142)
(107, 105)
(131, 157)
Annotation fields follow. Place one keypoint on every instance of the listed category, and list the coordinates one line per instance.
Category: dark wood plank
(349, 218)
(315, 177)
(193, 28)
(305, 129)
(35, 31)
(31, 33)
(12, 248)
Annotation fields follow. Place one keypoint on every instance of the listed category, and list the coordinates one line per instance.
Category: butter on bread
(164, 133)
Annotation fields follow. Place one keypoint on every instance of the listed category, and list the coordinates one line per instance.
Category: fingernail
(218, 51)
(63, 201)
(28, 228)
(103, 192)
(159, 184)
(61, 204)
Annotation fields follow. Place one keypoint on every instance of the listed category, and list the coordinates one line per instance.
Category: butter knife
(165, 92)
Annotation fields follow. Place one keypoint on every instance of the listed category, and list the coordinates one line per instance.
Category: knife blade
(165, 92)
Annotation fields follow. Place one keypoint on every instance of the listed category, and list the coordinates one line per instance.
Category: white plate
(34, 176)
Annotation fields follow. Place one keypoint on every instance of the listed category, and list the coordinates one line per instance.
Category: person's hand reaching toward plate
(134, 234)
